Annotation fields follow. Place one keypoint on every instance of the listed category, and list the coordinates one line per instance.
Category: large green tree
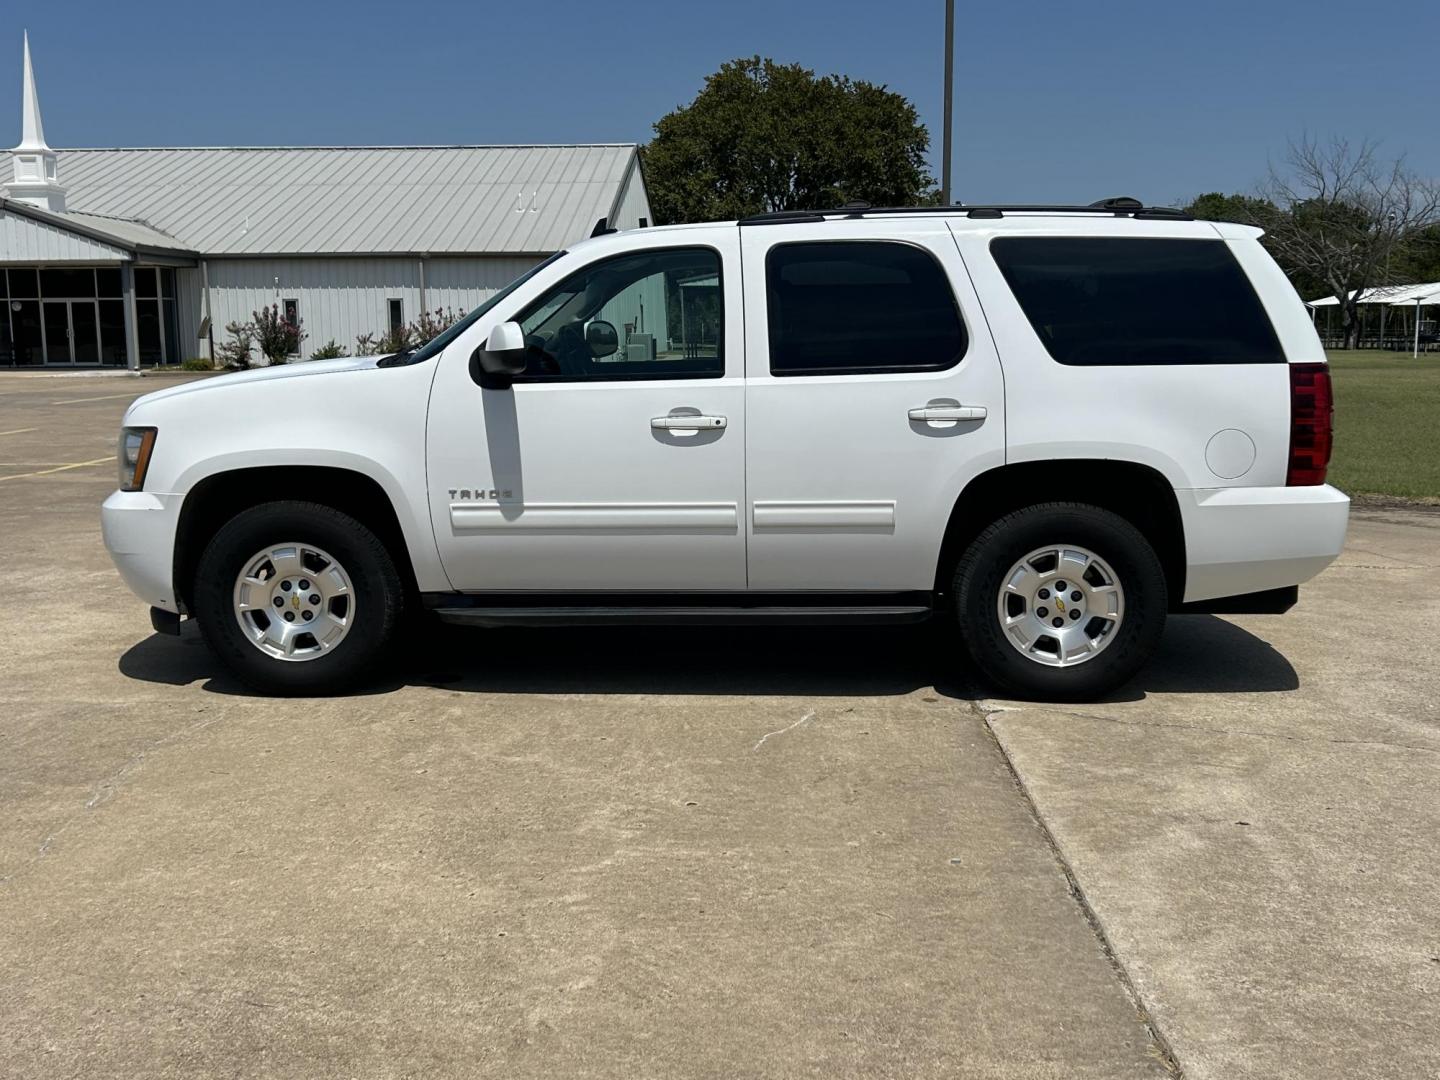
(766, 136)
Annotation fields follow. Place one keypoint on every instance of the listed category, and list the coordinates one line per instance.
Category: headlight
(136, 443)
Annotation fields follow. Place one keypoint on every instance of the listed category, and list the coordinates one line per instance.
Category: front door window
(644, 315)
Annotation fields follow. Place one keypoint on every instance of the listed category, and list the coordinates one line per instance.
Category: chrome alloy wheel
(1060, 605)
(294, 601)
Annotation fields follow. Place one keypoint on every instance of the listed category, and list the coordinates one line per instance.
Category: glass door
(57, 332)
(84, 332)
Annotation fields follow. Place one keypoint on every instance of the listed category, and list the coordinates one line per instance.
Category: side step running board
(684, 615)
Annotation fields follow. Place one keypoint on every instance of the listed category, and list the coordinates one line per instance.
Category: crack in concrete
(808, 716)
(1224, 731)
(105, 790)
(1162, 1046)
(1378, 555)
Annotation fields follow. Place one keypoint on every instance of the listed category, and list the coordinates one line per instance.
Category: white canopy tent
(1419, 302)
(1383, 294)
(1385, 297)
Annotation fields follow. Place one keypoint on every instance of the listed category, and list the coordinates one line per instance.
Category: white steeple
(34, 162)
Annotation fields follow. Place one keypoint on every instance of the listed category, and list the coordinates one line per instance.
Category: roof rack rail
(1119, 206)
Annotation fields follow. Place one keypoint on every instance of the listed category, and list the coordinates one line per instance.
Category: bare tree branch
(1334, 211)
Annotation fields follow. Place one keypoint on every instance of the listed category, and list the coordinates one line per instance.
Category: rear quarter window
(1096, 301)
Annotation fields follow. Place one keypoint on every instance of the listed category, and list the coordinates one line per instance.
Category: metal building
(142, 256)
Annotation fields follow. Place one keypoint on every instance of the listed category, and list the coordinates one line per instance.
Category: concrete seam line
(1127, 984)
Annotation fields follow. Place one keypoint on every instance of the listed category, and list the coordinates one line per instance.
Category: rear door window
(1124, 301)
(858, 308)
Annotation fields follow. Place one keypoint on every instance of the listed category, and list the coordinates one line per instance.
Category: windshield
(437, 345)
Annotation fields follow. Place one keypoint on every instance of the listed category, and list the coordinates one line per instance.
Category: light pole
(949, 100)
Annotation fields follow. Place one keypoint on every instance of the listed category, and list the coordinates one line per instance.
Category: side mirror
(496, 363)
(602, 339)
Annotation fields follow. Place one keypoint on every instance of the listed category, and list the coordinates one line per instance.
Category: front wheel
(1060, 601)
(297, 598)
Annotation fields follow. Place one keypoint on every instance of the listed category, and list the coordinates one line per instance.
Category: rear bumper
(1252, 540)
(139, 531)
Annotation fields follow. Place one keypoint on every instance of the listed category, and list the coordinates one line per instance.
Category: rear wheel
(297, 598)
(1060, 601)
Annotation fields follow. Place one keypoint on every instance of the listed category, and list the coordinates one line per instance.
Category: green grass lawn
(1387, 424)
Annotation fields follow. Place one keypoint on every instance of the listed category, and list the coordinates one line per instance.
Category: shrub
(331, 350)
(432, 324)
(365, 345)
(198, 363)
(276, 335)
(394, 340)
(236, 354)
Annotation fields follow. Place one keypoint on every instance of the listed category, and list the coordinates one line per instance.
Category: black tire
(378, 592)
(990, 556)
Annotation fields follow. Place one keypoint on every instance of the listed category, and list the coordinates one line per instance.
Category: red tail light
(1312, 411)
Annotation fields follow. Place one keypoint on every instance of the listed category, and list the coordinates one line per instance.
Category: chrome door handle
(949, 412)
(684, 422)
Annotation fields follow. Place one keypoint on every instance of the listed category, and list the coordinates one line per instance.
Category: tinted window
(24, 283)
(646, 315)
(847, 308)
(1137, 301)
(57, 284)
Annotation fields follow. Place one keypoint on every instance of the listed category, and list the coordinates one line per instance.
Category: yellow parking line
(82, 400)
(60, 468)
(19, 431)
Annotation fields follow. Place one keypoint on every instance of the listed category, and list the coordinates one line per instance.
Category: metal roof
(351, 200)
(119, 232)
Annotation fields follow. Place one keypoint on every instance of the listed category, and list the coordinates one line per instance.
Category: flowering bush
(431, 324)
(366, 345)
(394, 341)
(236, 354)
(277, 336)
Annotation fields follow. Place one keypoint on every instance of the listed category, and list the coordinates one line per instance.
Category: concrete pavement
(1262, 853)
(557, 854)
(709, 853)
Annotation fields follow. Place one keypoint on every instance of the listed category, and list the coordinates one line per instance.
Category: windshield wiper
(396, 359)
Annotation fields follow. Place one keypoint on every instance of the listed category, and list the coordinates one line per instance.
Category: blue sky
(1054, 101)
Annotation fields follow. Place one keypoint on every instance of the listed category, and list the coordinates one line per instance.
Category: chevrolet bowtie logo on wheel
(1060, 603)
(295, 601)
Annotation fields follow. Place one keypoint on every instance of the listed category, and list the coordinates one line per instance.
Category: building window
(75, 315)
(291, 307)
(397, 315)
(156, 323)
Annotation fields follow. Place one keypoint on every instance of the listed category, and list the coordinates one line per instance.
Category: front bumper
(1250, 540)
(139, 531)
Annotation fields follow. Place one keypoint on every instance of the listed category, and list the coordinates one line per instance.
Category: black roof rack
(1120, 206)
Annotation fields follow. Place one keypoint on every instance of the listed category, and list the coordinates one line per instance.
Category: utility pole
(949, 100)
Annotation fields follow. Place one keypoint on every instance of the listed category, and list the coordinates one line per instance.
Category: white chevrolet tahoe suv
(1052, 424)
